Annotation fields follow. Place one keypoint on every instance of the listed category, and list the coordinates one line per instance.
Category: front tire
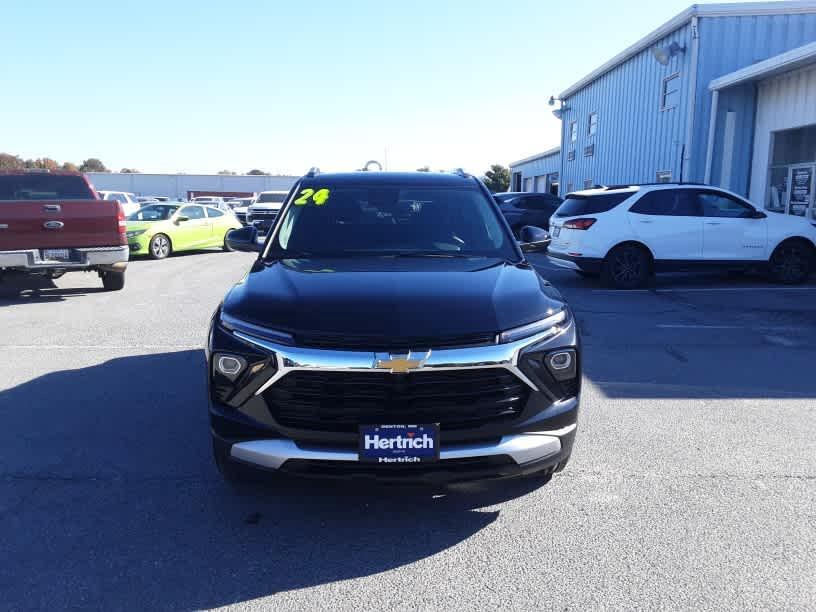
(160, 247)
(627, 266)
(791, 262)
(113, 280)
(227, 248)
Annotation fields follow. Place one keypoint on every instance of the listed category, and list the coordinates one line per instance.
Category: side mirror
(534, 239)
(181, 219)
(244, 239)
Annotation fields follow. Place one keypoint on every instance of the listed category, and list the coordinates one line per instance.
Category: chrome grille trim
(291, 358)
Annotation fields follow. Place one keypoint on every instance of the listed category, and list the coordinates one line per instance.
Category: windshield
(271, 198)
(44, 186)
(378, 220)
(154, 212)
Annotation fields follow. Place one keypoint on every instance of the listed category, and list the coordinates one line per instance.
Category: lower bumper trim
(571, 262)
(85, 257)
(522, 448)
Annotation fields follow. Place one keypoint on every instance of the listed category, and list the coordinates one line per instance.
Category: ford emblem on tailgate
(54, 225)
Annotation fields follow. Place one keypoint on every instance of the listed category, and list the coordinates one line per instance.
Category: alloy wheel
(161, 247)
(627, 266)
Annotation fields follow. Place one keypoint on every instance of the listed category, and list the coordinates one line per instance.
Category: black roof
(436, 179)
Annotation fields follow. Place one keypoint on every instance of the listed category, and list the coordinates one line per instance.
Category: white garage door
(528, 184)
(541, 184)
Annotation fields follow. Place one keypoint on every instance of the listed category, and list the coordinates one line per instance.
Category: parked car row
(627, 233)
(55, 222)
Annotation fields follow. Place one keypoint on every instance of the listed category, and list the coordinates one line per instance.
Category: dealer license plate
(56, 254)
(396, 444)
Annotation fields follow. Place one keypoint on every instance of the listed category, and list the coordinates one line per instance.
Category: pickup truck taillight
(120, 218)
(579, 224)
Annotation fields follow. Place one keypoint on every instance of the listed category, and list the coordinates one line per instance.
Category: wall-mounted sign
(801, 189)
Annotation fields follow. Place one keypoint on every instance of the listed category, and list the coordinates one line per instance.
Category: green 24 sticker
(319, 197)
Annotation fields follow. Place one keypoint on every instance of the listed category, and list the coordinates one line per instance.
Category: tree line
(497, 178)
(92, 164)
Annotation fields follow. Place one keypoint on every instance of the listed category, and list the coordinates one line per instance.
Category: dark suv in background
(391, 327)
(525, 208)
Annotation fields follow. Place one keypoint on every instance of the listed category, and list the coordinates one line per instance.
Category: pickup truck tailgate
(26, 224)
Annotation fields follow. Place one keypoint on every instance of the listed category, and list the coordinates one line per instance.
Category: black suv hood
(391, 298)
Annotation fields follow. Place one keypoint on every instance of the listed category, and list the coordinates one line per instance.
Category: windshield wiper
(431, 254)
(290, 255)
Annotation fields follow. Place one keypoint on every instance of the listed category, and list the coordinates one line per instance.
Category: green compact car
(159, 229)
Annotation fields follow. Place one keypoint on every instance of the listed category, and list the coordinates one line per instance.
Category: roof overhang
(773, 66)
(532, 158)
(678, 21)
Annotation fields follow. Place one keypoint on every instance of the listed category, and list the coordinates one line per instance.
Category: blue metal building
(722, 93)
(537, 173)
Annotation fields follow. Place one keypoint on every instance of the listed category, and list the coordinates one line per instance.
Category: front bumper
(248, 429)
(80, 258)
(140, 245)
(510, 456)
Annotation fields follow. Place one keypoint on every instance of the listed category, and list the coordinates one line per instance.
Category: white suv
(625, 234)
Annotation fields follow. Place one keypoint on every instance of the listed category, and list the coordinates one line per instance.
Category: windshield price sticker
(318, 197)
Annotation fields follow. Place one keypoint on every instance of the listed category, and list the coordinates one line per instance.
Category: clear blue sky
(169, 86)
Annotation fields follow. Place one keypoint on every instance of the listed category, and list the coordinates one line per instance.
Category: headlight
(549, 326)
(135, 233)
(265, 333)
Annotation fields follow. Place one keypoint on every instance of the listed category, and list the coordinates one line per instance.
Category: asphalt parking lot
(692, 483)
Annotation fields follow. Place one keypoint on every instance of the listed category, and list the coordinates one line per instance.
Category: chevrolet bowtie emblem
(400, 364)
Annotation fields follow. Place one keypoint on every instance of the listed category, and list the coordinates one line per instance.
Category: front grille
(340, 401)
(263, 215)
(391, 344)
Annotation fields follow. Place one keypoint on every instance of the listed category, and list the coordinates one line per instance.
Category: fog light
(562, 364)
(561, 360)
(229, 365)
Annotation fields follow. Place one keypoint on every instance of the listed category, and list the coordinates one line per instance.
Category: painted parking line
(740, 327)
(703, 289)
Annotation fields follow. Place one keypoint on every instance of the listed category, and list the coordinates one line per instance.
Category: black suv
(525, 208)
(391, 327)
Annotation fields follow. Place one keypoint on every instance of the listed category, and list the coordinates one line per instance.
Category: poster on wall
(801, 187)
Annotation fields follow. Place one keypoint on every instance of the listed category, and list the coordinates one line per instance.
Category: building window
(593, 124)
(589, 150)
(571, 155)
(663, 176)
(573, 131)
(670, 94)
(587, 183)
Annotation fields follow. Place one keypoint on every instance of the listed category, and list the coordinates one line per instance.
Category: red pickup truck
(54, 222)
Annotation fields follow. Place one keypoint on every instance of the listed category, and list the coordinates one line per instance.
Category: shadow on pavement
(30, 289)
(120, 505)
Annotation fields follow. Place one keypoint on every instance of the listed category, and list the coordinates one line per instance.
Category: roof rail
(624, 186)
(313, 172)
